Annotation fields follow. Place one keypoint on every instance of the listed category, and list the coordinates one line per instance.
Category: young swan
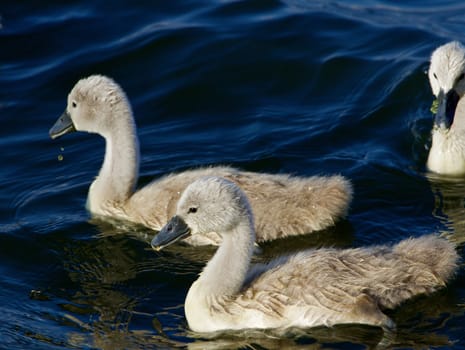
(447, 79)
(283, 205)
(310, 288)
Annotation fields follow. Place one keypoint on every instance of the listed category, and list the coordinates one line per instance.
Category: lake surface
(291, 86)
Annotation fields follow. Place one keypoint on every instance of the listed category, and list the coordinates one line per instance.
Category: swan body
(447, 79)
(283, 205)
(310, 288)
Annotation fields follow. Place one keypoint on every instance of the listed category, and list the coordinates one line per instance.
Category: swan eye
(435, 76)
(74, 104)
(192, 210)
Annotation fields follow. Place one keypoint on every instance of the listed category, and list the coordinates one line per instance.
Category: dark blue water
(292, 86)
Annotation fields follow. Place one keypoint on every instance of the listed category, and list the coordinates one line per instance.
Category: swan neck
(117, 179)
(225, 273)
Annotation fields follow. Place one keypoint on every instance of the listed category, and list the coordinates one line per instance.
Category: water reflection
(316, 338)
(449, 199)
(111, 279)
(341, 336)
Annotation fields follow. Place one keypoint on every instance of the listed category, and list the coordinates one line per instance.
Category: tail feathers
(336, 193)
(330, 198)
(438, 254)
(425, 264)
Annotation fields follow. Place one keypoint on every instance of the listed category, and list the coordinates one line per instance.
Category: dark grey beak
(62, 126)
(446, 109)
(173, 231)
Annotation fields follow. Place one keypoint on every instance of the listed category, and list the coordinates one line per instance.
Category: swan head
(209, 204)
(447, 79)
(94, 105)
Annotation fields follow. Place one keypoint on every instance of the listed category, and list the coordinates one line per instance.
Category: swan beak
(173, 231)
(447, 104)
(62, 126)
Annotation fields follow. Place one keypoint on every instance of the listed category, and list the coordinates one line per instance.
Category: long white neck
(223, 277)
(118, 176)
(447, 153)
(226, 271)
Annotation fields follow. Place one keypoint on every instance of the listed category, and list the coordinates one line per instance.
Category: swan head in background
(97, 104)
(447, 79)
(209, 204)
(94, 105)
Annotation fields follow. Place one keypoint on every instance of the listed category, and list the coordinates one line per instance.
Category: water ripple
(306, 87)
